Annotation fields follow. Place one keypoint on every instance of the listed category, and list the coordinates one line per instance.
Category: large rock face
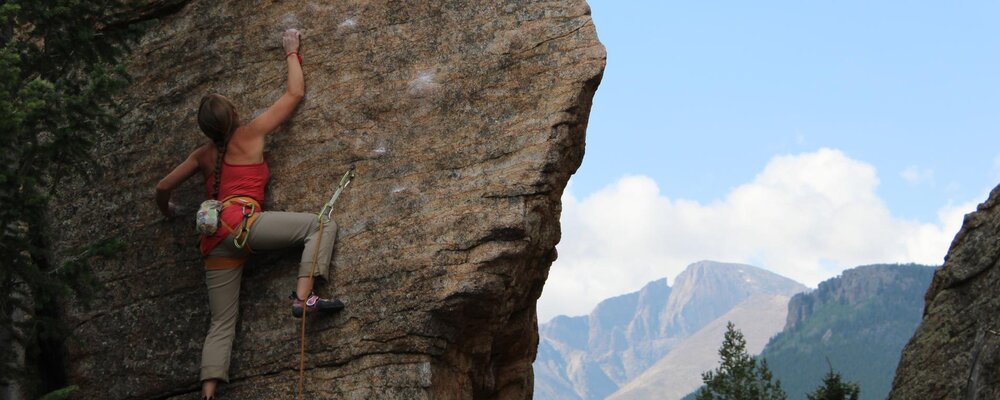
(464, 119)
(955, 353)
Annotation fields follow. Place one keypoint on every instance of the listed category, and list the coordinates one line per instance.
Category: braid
(221, 153)
(217, 119)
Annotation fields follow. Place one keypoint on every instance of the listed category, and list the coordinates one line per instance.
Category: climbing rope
(325, 216)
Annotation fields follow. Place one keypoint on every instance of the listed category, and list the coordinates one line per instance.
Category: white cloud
(806, 216)
(915, 175)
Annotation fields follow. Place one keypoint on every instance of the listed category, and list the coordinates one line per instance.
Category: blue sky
(802, 137)
(700, 95)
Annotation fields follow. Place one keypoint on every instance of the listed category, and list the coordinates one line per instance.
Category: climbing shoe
(314, 303)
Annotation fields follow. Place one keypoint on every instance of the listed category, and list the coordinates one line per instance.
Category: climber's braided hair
(217, 119)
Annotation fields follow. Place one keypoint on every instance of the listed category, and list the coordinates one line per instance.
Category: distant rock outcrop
(625, 335)
(955, 352)
(464, 119)
(858, 321)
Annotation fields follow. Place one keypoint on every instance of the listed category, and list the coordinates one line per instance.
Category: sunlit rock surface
(464, 119)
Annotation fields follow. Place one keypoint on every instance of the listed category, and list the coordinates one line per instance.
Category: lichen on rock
(464, 120)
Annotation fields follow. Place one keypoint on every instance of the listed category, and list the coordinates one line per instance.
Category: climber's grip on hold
(294, 92)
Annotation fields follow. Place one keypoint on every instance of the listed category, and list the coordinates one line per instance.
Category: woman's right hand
(290, 39)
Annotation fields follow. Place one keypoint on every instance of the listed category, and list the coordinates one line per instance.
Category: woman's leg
(271, 231)
(223, 301)
(275, 230)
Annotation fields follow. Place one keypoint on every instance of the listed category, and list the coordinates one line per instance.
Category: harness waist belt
(224, 262)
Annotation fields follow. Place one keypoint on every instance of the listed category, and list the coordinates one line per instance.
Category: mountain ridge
(648, 324)
(859, 321)
(679, 372)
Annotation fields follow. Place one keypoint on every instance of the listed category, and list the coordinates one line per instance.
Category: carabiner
(253, 207)
(244, 226)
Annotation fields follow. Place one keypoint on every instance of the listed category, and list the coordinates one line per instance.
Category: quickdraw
(243, 234)
(326, 213)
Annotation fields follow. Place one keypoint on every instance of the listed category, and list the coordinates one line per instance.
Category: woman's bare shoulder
(204, 154)
(244, 147)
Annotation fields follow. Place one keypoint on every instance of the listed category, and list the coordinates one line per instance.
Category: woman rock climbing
(235, 174)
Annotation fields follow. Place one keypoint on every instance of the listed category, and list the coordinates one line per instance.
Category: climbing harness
(250, 211)
(325, 215)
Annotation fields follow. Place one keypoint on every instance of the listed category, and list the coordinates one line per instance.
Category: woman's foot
(208, 389)
(313, 303)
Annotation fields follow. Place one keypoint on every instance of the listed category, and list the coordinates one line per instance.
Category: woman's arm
(166, 186)
(283, 108)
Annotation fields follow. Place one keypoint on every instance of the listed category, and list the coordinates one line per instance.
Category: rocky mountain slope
(679, 372)
(859, 321)
(464, 119)
(955, 352)
(591, 357)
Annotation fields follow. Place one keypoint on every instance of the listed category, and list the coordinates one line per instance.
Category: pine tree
(60, 66)
(739, 377)
(834, 388)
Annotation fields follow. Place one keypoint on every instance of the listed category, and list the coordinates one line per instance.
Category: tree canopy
(60, 68)
(739, 376)
(834, 388)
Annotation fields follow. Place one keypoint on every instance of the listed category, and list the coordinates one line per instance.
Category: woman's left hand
(173, 211)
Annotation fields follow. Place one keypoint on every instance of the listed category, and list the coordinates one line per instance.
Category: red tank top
(243, 180)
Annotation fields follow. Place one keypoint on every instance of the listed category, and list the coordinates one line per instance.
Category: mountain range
(655, 343)
(594, 356)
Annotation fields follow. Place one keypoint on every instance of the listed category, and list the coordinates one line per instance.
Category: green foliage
(739, 376)
(834, 388)
(60, 66)
(61, 394)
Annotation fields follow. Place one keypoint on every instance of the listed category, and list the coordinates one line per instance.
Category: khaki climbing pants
(273, 230)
